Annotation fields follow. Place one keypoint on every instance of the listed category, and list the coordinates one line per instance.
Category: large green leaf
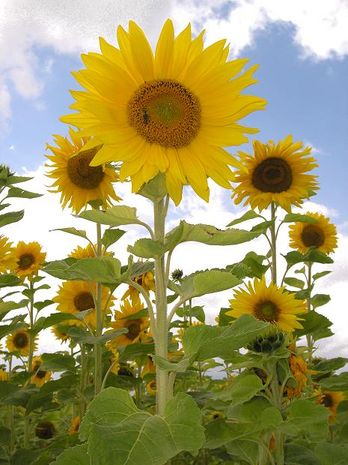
(114, 216)
(332, 454)
(74, 456)
(315, 324)
(21, 193)
(336, 382)
(118, 433)
(11, 217)
(296, 454)
(242, 389)
(305, 416)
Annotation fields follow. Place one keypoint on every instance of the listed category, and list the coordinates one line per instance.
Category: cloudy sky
(300, 45)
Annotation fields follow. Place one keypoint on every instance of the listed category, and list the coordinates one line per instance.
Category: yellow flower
(19, 341)
(77, 181)
(40, 376)
(78, 296)
(87, 252)
(6, 257)
(331, 400)
(272, 304)
(275, 173)
(146, 281)
(3, 375)
(321, 234)
(151, 388)
(27, 259)
(75, 425)
(299, 370)
(168, 112)
(125, 319)
(60, 330)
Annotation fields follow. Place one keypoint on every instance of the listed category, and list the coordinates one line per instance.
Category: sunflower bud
(268, 343)
(177, 275)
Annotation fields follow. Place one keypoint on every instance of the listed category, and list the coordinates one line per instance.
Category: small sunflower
(146, 281)
(4, 376)
(275, 173)
(300, 371)
(151, 388)
(125, 319)
(87, 252)
(6, 257)
(45, 430)
(168, 112)
(60, 331)
(216, 415)
(40, 376)
(78, 296)
(27, 259)
(331, 400)
(77, 181)
(19, 342)
(321, 234)
(75, 425)
(272, 304)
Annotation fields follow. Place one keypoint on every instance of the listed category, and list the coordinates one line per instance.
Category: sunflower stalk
(276, 398)
(98, 368)
(273, 243)
(310, 341)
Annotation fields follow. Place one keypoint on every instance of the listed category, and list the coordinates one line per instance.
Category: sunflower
(6, 257)
(275, 173)
(215, 415)
(151, 388)
(300, 371)
(272, 304)
(27, 259)
(125, 319)
(87, 252)
(40, 376)
(19, 342)
(75, 425)
(78, 296)
(331, 400)
(60, 331)
(321, 234)
(146, 281)
(4, 376)
(45, 430)
(168, 112)
(77, 181)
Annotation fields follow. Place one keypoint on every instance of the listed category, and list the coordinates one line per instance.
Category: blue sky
(307, 97)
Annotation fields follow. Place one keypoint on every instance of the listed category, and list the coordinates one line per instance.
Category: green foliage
(315, 324)
(305, 417)
(115, 216)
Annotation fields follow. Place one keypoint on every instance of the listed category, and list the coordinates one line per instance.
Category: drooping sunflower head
(271, 303)
(79, 296)
(146, 281)
(77, 181)
(171, 112)
(331, 400)
(6, 257)
(275, 173)
(45, 430)
(40, 376)
(128, 318)
(300, 372)
(19, 342)
(27, 259)
(321, 234)
(75, 425)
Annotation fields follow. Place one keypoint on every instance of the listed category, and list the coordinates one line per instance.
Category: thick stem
(30, 358)
(310, 341)
(83, 375)
(161, 339)
(277, 402)
(273, 243)
(98, 374)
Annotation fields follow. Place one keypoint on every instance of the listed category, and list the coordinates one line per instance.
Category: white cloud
(44, 214)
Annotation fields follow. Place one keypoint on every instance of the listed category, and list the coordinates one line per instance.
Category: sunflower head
(4, 376)
(146, 281)
(6, 256)
(151, 387)
(75, 425)
(19, 342)
(27, 259)
(177, 275)
(269, 342)
(331, 400)
(275, 173)
(127, 318)
(300, 372)
(77, 182)
(40, 376)
(322, 234)
(268, 303)
(171, 111)
(45, 430)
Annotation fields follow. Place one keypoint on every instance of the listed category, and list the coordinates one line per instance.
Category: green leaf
(316, 324)
(304, 416)
(294, 282)
(115, 216)
(53, 319)
(119, 433)
(11, 217)
(262, 228)
(6, 307)
(63, 382)
(243, 388)
(73, 231)
(320, 299)
(155, 189)
(294, 257)
(251, 266)
(298, 218)
(147, 248)
(17, 179)
(76, 455)
(331, 454)
(5, 435)
(21, 193)
(326, 366)
(84, 338)
(320, 275)
(249, 215)
(57, 362)
(315, 256)
(206, 282)
(111, 236)
(335, 382)
(296, 454)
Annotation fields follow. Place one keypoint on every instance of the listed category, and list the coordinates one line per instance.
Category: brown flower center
(83, 301)
(45, 430)
(83, 175)
(20, 340)
(312, 236)
(272, 175)
(25, 261)
(165, 112)
(327, 400)
(134, 328)
(266, 311)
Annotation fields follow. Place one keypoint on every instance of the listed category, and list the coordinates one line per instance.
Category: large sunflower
(78, 296)
(6, 257)
(272, 304)
(40, 376)
(77, 182)
(125, 318)
(321, 234)
(171, 111)
(19, 342)
(275, 173)
(27, 259)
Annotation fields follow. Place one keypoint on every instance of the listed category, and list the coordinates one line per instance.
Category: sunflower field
(140, 378)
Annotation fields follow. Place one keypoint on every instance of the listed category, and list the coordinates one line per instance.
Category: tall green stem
(277, 396)
(30, 358)
(161, 340)
(273, 243)
(98, 369)
(310, 341)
